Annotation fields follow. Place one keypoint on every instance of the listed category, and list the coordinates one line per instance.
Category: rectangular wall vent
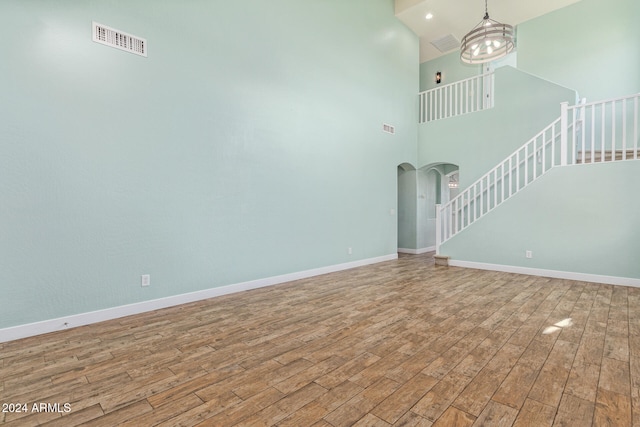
(118, 39)
(446, 43)
(388, 128)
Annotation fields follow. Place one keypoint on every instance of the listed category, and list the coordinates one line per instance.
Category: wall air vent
(388, 128)
(118, 39)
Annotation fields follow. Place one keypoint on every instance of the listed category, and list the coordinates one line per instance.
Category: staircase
(587, 133)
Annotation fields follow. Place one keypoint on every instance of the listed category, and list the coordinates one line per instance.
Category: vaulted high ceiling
(456, 17)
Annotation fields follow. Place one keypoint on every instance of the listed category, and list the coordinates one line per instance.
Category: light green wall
(477, 142)
(591, 46)
(450, 66)
(580, 218)
(247, 145)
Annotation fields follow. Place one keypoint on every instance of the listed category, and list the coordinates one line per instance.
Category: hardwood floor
(400, 343)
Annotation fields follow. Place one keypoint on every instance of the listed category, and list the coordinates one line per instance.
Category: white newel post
(438, 229)
(564, 132)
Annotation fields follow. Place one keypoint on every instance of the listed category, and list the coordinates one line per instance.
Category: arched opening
(407, 187)
(435, 187)
(419, 191)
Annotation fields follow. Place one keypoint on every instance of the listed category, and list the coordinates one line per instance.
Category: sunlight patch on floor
(565, 323)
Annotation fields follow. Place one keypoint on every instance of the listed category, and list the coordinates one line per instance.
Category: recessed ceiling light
(429, 15)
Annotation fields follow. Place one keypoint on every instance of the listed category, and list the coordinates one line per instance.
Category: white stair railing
(518, 170)
(601, 131)
(604, 131)
(462, 97)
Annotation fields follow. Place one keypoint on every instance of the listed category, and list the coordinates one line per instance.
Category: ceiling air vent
(446, 43)
(118, 39)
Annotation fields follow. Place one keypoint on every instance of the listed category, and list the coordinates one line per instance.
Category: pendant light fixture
(487, 41)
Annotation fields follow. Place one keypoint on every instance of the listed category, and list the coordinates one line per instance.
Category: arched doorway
(434, 188)
(407, 187)
(419, 191)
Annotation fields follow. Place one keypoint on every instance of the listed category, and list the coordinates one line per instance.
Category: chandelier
(453, 180)
(487, 41)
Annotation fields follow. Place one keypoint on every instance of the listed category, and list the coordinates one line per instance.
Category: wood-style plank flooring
(400, 343)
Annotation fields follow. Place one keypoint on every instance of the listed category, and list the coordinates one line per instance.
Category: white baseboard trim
(583, 277)
(67, 322)
(417, 251)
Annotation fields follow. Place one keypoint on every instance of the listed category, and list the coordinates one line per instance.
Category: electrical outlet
(528, 254)
(145, 280)
(349, 251)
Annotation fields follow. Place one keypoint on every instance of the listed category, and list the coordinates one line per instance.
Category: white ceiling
(457, 17)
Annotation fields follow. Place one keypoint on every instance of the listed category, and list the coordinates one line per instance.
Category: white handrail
(461, 97)
(603, 101)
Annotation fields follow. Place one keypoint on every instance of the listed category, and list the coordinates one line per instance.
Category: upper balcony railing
(462, 97)
(604, 130)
